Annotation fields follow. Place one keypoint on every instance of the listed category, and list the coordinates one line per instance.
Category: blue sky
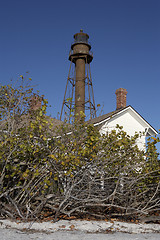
(36, 36)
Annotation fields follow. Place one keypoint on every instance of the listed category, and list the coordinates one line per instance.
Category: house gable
(131, 121)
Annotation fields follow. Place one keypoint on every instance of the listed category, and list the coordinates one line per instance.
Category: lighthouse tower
(78, 97)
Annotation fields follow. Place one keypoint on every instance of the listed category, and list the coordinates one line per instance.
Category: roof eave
(151, 131)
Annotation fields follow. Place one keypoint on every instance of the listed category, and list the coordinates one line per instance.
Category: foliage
(71, 169)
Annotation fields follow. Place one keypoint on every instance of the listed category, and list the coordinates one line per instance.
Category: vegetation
(70, 169)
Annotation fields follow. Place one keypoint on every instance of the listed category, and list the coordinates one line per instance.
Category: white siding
(131, 124)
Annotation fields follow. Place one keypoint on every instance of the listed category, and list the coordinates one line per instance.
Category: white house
(127, 117)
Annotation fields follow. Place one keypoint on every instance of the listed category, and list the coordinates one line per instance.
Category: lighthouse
(78, 97)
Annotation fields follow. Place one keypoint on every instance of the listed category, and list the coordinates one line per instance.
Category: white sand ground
(77, 229)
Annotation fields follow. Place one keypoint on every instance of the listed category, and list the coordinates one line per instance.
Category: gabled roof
(103, 117)
(99, 121)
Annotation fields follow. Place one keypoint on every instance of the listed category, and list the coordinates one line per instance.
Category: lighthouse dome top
(81, 37)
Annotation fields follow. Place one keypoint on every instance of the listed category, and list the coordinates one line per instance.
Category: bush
(70, 169)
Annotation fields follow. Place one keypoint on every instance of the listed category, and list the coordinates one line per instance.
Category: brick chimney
(35, 102)
(121, 98)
